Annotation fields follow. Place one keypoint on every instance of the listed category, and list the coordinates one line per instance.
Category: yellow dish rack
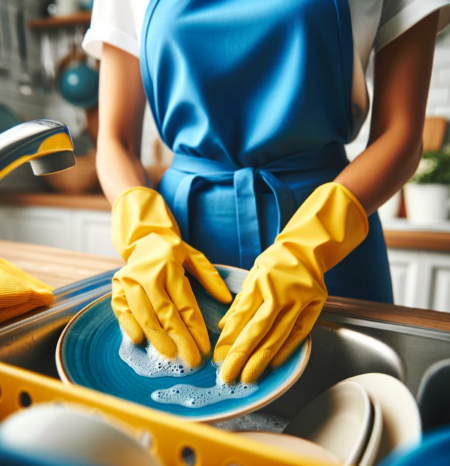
(169, 434)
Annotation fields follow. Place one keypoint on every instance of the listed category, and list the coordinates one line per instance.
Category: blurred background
(45, 74)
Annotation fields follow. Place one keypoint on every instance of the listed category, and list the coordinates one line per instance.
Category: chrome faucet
(46, 144)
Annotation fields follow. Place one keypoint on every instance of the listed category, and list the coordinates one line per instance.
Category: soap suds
(255, 422)
(147, 362)
(198, 397)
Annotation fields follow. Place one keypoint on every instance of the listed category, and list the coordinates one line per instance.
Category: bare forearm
(121, 112)
(117, 169)
(402, 79)
(382, 169)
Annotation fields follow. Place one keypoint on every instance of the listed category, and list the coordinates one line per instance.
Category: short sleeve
(113, 22)
(398, 16)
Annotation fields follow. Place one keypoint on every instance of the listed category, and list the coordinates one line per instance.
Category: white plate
(401, 417)
(337, 420)
(310, 450)
(373, 442)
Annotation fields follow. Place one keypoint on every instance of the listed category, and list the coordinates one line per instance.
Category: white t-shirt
(375, 23)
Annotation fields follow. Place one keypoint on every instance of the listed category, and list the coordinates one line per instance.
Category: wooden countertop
(404, 239)
(64, 201)
(57, 267)
(424, 240)
(388, 313)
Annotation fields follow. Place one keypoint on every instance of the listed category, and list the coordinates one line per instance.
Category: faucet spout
(46, 144)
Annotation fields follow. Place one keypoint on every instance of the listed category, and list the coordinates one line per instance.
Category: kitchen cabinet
(421, 278)
(73, 229)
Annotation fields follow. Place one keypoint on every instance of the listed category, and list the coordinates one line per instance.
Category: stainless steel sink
(342, 346)
(30, 341)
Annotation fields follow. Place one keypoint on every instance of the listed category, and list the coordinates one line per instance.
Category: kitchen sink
(342, 346)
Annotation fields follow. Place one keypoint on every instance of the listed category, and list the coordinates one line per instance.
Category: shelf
(80, 18)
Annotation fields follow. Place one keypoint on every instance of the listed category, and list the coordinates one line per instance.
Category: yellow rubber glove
(151, 294)
(284, 292)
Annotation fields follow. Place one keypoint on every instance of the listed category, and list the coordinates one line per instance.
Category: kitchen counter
(57, 267)
(398, 233)
(47, 199)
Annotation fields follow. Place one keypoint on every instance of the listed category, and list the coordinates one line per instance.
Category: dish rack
(167, 436)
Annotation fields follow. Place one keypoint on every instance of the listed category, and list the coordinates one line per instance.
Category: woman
(256, 98)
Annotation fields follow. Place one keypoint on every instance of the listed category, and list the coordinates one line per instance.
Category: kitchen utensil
(376, 431)
(4, 71)
(71, 431)
(337, 420)
(433, 133)
(86, 4)
(25, 85)
(401, 417)
(87, 354)
(295, 444)
(78, 78)
(6, 28)
(78, 85)
(45, 75)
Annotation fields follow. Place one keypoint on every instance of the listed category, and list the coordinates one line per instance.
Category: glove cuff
(136, 213)
(326, 227)
(357, 205)
(344, 219)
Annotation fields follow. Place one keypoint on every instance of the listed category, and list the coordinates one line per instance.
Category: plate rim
(65, 378)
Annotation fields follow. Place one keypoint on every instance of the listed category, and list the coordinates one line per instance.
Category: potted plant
(426, 195)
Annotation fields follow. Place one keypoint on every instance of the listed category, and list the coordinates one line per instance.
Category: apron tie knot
(243, 179)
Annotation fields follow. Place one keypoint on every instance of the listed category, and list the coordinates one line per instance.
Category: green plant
(434, 168)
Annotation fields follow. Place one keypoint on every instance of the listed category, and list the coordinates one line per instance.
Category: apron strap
(197, 168)
(181, 205)
(247, 217)
(283, 197)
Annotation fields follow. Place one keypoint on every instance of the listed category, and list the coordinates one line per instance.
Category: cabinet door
(94, 233)
(439, 285)
(404, 266)
(39, 225)
(5, 224)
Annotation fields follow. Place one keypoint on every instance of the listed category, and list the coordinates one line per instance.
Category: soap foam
(198, 397)
(148, 362)
(263, 422)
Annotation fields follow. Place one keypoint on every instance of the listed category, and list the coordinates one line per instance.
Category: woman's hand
(284, 292)
(151, 295)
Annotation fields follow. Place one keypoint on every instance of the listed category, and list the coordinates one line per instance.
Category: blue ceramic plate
(88, 355)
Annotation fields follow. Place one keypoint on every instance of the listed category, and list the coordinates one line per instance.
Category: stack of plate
(356, 422)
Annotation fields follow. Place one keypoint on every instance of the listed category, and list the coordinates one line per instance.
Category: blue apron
(254, 99)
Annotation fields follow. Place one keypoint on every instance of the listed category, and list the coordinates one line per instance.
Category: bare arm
(121, 112)
(402, 79)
